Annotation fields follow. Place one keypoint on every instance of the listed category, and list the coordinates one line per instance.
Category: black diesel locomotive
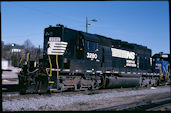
(75, 60)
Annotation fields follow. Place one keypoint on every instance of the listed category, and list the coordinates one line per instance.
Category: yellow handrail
(57, 66)
(161, 73)
(47, 71)
(21, 60)
(50, 66)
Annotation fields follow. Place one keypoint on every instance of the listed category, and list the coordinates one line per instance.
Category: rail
(142, 105)
(10, 87)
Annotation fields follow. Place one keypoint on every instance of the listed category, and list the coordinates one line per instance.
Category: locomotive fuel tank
(116, 82)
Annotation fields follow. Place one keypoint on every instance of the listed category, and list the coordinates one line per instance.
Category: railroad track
(10, 87)
(164, 107)
(142, 105)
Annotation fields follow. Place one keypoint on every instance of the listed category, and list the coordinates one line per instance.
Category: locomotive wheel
(103, 82)
(42, 84)
(21, 85)
(61, 87)
(93, 85)
(96, 85)
(77, 87)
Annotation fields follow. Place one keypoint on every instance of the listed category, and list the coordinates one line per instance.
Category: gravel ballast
(34, 103)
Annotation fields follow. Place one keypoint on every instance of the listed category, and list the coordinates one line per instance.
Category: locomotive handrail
(50, 66)
(32, 71)
(57, 66)
(21, 60)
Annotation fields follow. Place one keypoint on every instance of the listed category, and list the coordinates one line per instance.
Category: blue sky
(142, 22)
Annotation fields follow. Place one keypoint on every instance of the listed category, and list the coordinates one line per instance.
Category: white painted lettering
(92, 55)
(122, 53)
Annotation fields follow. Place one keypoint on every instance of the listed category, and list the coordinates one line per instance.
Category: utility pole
(86, 24)
(94, 20)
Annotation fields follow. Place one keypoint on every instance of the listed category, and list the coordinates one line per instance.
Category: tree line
(27, 47)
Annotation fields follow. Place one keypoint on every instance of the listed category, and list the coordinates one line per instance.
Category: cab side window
(92, 46)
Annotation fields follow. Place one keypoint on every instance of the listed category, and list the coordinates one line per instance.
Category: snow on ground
(10, 74)
(10, 77)
(4, 82)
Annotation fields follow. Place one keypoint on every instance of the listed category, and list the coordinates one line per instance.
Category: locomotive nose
(56, 47)
(56, 50)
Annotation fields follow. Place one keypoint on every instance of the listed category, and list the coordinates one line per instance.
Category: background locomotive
(79, 61)
(161, 65)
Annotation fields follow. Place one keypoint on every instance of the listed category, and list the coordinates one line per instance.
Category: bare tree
(28, 45)
(6, 52)
(35, 52)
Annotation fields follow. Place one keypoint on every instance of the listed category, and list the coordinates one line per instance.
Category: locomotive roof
(161, 55)
(93, 37)
(90, 37)
(124, 42)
